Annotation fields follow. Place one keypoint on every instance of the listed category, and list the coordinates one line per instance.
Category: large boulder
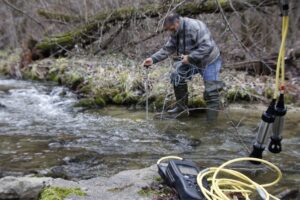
(23, 188)
(126, 185)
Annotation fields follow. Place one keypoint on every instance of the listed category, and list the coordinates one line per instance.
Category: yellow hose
(240, 183)
(281, 56)
(168, 158)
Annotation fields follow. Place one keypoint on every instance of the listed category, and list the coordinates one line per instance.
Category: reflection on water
(40, 129)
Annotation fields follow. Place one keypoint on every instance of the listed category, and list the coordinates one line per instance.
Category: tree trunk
(88, 33)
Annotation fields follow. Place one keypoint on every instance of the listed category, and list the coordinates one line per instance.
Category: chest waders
(181, 88)
(211, 96)
(211, 93)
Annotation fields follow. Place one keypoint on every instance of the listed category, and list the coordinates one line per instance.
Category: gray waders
(212, 97)
(181, 95)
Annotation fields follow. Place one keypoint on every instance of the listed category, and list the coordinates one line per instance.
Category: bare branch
(25, 14)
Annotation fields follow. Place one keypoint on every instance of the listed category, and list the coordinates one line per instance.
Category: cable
(280, 67)
(168, 158)
(239, 184)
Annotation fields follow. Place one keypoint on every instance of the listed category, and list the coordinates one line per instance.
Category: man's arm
(168, 49)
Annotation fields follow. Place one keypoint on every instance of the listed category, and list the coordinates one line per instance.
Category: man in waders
(197, 52)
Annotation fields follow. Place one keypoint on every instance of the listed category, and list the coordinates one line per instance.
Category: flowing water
(40, 131)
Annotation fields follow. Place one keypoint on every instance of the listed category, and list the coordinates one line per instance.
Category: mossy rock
(86, 89)
(100, 101)
(73, 80)
(154, 190)
(118, 99)
(268, 93)
(197, 102)
(152, 98)
(130, 98)
(86, 102)
(53, 74)
(237, 95)
(107, 94)
(59, 193)
(4, 70)
(158, 103)
(31, 73)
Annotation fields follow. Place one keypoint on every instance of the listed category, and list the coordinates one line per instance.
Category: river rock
(23, 188)
(125, 185)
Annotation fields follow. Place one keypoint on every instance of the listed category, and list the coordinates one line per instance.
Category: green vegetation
(124, 85)
(149, 191)
(59, 193)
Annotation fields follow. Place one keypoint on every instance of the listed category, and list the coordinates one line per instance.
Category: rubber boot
(181, 95)
(212, 97)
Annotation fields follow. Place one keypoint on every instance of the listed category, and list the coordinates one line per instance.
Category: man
(198, 53)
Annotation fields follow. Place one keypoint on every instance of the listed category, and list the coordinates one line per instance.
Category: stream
(42, 132)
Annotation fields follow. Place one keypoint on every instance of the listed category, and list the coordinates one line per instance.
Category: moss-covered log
(59, 16)
(103, 21)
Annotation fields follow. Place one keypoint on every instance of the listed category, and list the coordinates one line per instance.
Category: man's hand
(148, 62)
(185, 59)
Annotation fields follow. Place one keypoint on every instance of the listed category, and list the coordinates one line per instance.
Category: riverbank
(141, 184)
(117, 80)
(126, 185)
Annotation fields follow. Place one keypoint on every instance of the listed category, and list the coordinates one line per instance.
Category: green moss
(86, 89)
(4, 69)
(119, 189)
(53, 75)
(289, 99)
(148, 191)
(238, 94)
(125, 98)
(107, 94)
(118, 99)
(130, 98)
(158, 179)
(59, 193)
(197, 102)
(86, 102)
(158, 103)
(100, 101)
(58, 16)
(30, 73)
(73, 80)
(90, 102)
(268, 92)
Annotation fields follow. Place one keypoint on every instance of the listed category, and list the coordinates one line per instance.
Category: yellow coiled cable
(239, 184)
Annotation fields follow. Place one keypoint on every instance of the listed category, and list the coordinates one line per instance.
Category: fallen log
(59, 16)
(88, 33)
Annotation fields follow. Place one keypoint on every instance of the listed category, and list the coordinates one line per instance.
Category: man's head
(171, 22)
